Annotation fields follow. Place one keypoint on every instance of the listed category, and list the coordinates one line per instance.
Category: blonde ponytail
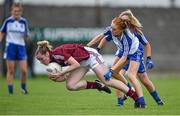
(43, 47)
(134, 22)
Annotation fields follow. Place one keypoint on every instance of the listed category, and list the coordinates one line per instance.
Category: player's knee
(131, 75)
(70, 87)
(144, 81)
(10, 71)
(23, 72)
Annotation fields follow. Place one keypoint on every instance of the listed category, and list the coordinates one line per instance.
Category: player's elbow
(148, 45)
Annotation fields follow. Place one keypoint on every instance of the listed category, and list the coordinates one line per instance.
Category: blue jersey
(15, 30)
(142, 39)
(108, 36)
(128, 43)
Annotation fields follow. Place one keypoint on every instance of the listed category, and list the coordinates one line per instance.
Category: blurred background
(78, 21)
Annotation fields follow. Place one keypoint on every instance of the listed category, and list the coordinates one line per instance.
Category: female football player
(141, 71)
(132, 51)
(79, 60)
(16, 29)
(142, 75)
(126, 41)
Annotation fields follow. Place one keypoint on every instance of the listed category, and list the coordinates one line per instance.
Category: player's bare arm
(1, 36)
(73, 64)
(102, 43)
(148, 49)
(95, 40)
(119, 65)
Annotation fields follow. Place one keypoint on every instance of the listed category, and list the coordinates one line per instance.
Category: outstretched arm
(119, 65)
(115, 68)
(95, 40)
(102, 42)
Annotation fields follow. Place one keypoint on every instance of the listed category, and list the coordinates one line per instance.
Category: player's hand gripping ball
(53, 67)
(54, 70)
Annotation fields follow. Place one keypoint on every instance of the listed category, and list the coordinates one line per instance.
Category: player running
(126, 41)
(132, 51)
(142, 74)
(141, 71)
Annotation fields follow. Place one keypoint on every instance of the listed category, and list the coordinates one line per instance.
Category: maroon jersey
(62, 53)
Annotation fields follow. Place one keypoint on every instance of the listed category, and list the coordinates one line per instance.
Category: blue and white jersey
(127, 42)
(108, 36)
(142, 39)
(15, 30)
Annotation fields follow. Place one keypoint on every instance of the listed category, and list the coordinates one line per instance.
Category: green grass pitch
(47, 97)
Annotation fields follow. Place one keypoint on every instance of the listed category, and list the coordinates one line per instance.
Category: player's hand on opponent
(108, 75)
(149, 63)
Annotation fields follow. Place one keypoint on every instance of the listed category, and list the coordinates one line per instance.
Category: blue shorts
(137, 56)
(141, 69)
(15, 52)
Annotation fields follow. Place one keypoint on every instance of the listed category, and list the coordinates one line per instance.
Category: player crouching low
(79, 60)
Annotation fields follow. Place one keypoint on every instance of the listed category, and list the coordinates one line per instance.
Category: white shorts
(94, 60)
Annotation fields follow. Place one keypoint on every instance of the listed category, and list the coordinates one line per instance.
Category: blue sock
(10, 89)
(155, 95)
(119, 101)
(129, 85)
(23, 86)
(141, 100)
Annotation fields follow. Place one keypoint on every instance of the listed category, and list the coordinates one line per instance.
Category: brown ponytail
(121, 23)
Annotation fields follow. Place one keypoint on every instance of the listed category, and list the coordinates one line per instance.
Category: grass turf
(47, 97)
